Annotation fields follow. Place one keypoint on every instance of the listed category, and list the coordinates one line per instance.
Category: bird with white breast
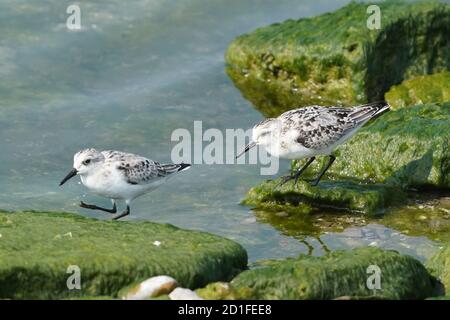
(119, 176)
(308, 132)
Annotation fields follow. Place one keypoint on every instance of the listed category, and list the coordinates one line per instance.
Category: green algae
(340, 195)
(334, 58)
(37, 248)
(337, 274)
(409, 148)
(433, 88)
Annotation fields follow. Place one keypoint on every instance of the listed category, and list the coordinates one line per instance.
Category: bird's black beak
(247, 147)
(71, 174)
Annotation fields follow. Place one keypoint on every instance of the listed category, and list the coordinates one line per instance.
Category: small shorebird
(311, 131)
(119, 176)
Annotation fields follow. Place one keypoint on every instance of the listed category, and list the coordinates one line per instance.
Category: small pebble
(152, 287)
(183, 294)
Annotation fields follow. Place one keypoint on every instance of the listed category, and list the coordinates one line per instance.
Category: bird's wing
(137, 169)
(320, 127)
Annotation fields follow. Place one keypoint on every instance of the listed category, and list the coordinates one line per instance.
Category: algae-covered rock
(36, 250)
(409, 148)
(343, 195)
(439, 266)
(433, 88)
(337, 274)
(335, 58)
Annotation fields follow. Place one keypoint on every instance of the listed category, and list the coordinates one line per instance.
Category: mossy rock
(433, 88)
(439, 266)
(335, 58)
(340, 195)
(36, 249)
(337, 274)
(408, 148)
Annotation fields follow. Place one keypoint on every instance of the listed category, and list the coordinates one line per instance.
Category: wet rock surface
(338, 195)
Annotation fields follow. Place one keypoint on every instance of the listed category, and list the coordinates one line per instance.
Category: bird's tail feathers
(183, 166)
(369, 111)
(172, 167)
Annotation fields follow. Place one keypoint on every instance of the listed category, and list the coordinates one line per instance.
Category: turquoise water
(134, 73)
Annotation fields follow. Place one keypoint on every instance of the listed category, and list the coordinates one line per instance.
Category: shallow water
(133, 74)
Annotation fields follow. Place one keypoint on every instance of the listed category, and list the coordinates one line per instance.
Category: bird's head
(84, 162)
(263, 134)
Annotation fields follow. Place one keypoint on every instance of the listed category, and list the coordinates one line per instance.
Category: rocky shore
(379, 175)
(143, 260)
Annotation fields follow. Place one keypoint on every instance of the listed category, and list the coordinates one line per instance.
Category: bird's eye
(87, 161)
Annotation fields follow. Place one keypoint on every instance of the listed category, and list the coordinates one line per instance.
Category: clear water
(137, 71)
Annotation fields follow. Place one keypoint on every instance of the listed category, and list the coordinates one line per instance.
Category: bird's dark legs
(122, 214)
(94, 207)
(297, 174)
(113, 210)
(323, 245)
(308, 246)
(328, 165)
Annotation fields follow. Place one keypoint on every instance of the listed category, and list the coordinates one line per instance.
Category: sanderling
(119, 176)
(311, 131)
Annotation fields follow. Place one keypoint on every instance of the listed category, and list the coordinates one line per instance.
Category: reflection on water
(377, 235)
(134, 73)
